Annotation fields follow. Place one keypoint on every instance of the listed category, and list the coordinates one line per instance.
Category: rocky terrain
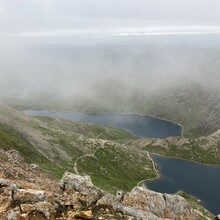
(26, 192)
(205, 149)
(61, 145)
(82, 153)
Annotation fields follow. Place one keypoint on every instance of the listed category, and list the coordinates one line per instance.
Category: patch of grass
(54, 169)
(172, 152)
(114, 168)
(118, 134)
(13, 140)
(190, 151)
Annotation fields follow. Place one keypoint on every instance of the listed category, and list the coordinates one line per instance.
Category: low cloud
(75, 50)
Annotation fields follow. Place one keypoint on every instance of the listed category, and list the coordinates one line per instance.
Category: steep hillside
(60, 145)
(191, 104)
(194, 106)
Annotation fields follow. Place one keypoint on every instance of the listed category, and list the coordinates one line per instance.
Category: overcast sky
(36, 38)
(49, 18)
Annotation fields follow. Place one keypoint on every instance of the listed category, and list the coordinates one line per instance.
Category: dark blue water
(196, 179)
(141, 126)
(200, 180)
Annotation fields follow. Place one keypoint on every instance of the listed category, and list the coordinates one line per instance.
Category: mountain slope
(60, 145)
(112, 157)
(204, 149)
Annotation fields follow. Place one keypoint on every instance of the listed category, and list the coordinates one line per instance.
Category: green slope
(57, 144)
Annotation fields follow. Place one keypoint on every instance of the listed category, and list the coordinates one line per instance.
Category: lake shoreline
(106, 113)
(190, 160)
(181, 175)
(138, 114)
(142, 182)
(177, 169)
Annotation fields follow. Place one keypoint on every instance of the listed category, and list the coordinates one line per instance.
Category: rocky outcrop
(79, 194)
(140, 203)
(205, 149)
(75, 197)
(82, 184)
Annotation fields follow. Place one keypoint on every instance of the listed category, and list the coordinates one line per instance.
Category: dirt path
(107, 131)
(154, 168)
(93, 154)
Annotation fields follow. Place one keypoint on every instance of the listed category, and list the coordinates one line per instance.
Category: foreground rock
(75, 197)
(78, 194)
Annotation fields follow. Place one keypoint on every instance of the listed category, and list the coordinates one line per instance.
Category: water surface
(141, 126)
(196, 179)
(200, 180)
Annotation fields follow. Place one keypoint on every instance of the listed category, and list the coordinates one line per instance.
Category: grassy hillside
(113, 167)
(205, 149)
(192, 105)
(59, 145)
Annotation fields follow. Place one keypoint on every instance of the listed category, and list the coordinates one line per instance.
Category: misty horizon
(91, 52)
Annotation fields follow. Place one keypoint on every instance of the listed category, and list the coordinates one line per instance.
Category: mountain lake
(199, 180)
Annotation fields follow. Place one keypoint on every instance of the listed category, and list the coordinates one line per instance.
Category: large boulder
(161, 205)
(80, 183)
(142, 203)
(83, 185)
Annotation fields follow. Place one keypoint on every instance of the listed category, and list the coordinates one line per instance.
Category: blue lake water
(196, 179)
(200, 180)
(141, 126)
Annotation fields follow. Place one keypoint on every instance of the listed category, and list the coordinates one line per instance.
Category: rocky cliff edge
(27, 193)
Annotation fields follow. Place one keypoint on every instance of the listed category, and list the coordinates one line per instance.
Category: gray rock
(34, 166)
(43, 207)
(7, 183)
(72, 181)
(83, 185)
(12, 215)
(158, 205)
(177, 206)
(119, 195)
(217, 217)
(29, 196)
(107, 200)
